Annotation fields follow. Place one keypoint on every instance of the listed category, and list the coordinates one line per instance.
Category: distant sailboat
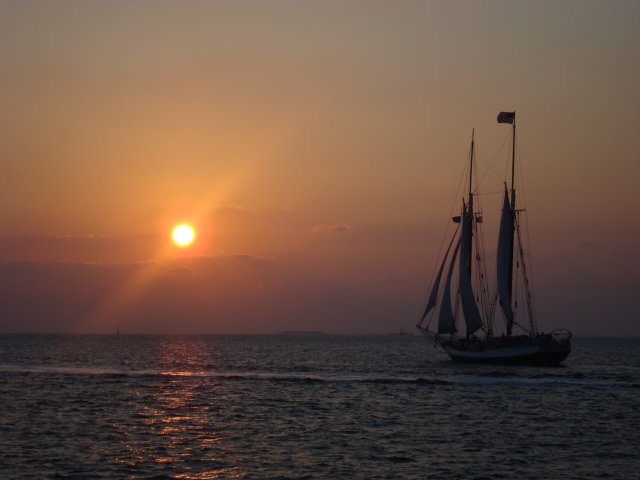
(472, 299)
(402, 332)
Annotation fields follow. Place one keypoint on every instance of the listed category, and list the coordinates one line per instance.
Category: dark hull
(540, 352)
(541, 359)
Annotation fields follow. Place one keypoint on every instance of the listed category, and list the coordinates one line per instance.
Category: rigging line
(482, 295)
(494, 302)
(456, 309)
(490, 163)
(525, 280)
(516, 285)
(475, 157)
(522, 327)
(481, 274)
(519, 179)
(528, 251)
(422, 318)
(445, 235)
(488, 169)
(527, 255)
(501, 192)
(485, 283)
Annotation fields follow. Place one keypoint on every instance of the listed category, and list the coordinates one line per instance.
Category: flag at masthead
(507, 117)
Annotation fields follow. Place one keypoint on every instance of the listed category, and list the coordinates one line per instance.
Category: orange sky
(317, 148)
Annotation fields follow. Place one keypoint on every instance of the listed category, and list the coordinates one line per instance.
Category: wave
(224, 375)
(495, 378)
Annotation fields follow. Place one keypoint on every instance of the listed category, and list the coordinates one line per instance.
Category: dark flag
(507, 117)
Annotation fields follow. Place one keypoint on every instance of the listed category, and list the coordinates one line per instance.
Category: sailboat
(465, 292)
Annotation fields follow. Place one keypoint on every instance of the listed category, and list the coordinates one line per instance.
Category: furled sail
(469, 306)
(505, 259)
(446, 320)
(433, 297)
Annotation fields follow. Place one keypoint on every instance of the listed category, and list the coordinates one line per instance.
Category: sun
(183, 235)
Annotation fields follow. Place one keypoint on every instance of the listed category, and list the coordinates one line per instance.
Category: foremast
(470, 309)
(463, 253)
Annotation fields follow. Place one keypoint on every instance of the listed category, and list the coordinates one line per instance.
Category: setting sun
(183, 235)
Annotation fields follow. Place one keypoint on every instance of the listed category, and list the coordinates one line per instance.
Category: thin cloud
(334, 228)
(67, 236)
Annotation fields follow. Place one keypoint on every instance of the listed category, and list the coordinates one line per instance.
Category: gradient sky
(317, 149)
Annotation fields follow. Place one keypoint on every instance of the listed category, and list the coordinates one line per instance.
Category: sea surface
(310, 406)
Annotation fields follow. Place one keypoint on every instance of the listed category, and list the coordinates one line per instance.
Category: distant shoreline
(301, 332)
(285, 332)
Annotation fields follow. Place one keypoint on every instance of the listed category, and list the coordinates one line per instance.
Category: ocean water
(318, 406)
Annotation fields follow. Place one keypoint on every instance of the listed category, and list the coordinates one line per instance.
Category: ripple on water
(331, 407)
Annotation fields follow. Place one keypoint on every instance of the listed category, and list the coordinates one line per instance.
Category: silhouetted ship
(465, 292)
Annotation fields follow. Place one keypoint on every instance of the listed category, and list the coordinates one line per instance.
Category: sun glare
(183, 235)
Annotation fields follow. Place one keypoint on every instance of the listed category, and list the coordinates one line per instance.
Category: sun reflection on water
(173, 430)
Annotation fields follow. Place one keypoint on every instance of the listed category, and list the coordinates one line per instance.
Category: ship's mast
(505, 257)
(470, 204)
(533, 330)
(513, 219)
(473, 133)
(472, 315)
(513, 163)
(516, 232)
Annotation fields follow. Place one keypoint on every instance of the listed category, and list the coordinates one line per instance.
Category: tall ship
(461, 314)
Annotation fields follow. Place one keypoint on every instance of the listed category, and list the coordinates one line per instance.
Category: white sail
(446, 320)
(505, 260)
(433, 297)
(469, 306)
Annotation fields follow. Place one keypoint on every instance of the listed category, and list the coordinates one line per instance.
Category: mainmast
(513, 222)
(473, 142)
(513, 164)
(470, 201)
(506, 234)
